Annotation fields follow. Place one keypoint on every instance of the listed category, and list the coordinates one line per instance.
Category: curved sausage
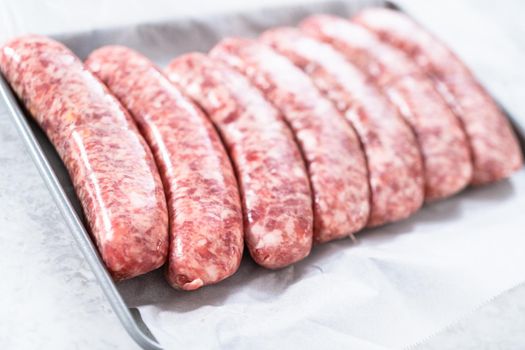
(494, 146)
(272, 177)
(333, 155)
(206, 238)
(443, 143)
(394, 162)
(111, 166)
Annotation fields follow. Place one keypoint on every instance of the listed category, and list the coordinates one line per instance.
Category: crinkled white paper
(395, 286)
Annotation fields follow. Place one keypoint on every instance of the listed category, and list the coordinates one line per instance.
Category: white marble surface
(42, 309)
(497, 325)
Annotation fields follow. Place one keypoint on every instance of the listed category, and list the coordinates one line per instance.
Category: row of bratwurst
(313, 133)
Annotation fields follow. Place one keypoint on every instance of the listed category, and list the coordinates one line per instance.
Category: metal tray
(52, 169)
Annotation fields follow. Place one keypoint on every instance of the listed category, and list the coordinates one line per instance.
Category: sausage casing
(330, 147)
(443, 143)
(111, 167)
(494, 146)
(206, 237)
(395, 168)
(272, 177)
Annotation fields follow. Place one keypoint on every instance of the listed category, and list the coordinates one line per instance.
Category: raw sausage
(494, 146)
(446, 155)
(112, 168)
(394, 162)
(333, 155)
(272, 177)
(206, 238)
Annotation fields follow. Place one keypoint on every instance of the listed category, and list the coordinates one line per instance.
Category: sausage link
(443, 143)
(494, 146)
(394, 162)
(333, 156)
(206, 238)
(273, 182)
(112, 168)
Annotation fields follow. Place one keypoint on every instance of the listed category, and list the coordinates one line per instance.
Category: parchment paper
(395, 286)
